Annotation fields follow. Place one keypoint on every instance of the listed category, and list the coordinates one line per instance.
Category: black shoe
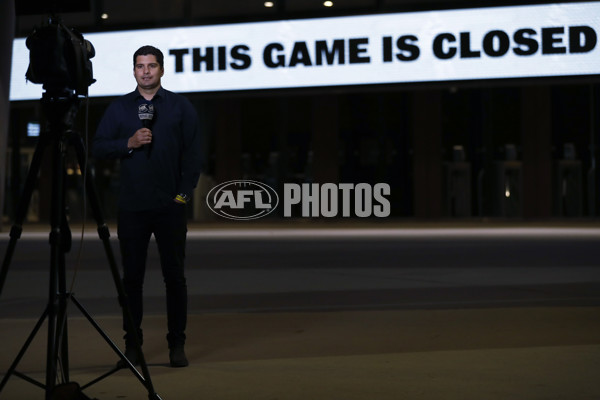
(177, 357)
(131, 355)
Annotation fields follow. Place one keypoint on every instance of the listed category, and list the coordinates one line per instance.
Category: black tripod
(60, 109)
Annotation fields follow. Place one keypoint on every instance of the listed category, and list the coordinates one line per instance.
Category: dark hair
(146, 50)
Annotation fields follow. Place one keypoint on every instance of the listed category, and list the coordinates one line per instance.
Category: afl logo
(242, 200)
(146, 111)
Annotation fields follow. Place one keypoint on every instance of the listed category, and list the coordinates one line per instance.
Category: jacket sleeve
(193, 150)
(108, 142)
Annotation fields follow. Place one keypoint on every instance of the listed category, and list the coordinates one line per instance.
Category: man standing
(159, 167)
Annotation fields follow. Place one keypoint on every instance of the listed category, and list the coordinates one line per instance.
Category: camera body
(59, 58)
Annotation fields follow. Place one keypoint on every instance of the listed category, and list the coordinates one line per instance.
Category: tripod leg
(104, 235)
(62, 336)
(53, 308)
(13, 367)
(23, 206)
(56, 303)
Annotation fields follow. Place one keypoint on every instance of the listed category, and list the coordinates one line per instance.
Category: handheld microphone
(146, 115)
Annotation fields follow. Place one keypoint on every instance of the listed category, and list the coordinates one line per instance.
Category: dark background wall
(521, 149)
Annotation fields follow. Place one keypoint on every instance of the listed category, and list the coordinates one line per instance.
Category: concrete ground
(413, 313)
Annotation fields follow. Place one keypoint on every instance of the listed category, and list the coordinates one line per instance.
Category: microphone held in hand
(146, 115)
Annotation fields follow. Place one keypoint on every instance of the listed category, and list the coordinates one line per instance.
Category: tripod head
(60, 109)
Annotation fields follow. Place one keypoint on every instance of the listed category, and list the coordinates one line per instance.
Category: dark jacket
(151, 176)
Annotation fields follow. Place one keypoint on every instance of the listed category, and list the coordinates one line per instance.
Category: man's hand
(141, 137)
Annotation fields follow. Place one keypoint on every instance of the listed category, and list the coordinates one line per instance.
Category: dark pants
(169, 227)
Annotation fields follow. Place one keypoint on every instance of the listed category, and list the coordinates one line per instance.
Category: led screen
(468, 44)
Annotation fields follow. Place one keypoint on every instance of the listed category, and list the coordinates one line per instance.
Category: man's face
(147, 72)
